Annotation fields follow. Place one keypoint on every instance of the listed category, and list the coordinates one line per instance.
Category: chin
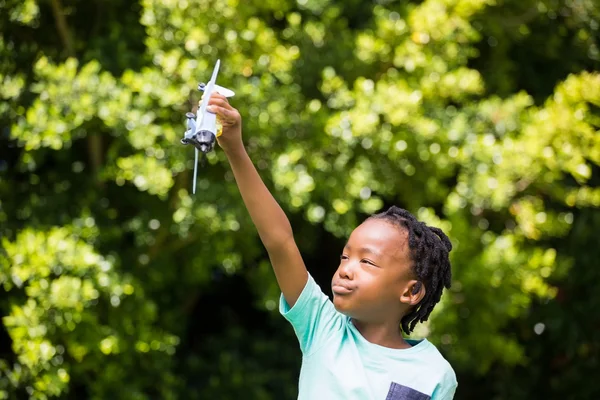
(342, 306)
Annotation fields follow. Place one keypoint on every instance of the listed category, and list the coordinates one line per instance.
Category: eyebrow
(365, 249)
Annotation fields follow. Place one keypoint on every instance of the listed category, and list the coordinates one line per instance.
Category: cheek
(372, 289)
(381, 288)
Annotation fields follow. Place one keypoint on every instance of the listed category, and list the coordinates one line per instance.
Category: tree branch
(63, 29)
(94, 141)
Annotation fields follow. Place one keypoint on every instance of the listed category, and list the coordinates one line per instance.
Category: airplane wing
(219, 89)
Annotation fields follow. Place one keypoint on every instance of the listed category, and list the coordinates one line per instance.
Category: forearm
(271, 222)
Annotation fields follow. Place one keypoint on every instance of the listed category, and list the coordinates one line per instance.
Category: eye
(368, 262)
(343, 257)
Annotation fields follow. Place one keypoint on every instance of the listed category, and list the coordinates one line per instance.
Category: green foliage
(480, 117)
(61, 316)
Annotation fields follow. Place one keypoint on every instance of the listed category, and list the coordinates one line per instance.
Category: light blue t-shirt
(339, 363)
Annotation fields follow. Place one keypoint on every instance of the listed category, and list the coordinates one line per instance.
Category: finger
(226, 115)
(215, 95)
(219, 102)
(218, 95)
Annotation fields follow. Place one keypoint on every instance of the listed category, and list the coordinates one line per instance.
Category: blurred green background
(479, 116)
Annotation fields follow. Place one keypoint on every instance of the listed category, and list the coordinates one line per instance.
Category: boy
(391, 274)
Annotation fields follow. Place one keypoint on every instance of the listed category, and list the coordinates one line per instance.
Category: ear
(413, 293)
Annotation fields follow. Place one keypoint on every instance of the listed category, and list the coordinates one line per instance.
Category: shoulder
(442, 370)
(313, 317)
(435, 361)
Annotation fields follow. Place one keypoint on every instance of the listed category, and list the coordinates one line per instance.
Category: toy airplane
(202, 127)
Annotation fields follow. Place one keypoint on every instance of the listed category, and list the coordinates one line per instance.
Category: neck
(385, 334)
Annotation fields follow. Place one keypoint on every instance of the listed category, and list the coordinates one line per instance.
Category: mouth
(341, 289)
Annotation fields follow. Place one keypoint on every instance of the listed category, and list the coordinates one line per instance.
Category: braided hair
(429, 248)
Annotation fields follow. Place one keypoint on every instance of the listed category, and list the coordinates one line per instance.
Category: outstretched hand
(231, 120)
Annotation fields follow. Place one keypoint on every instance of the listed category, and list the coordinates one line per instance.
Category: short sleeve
(313, 316)
(449, 385)
(447, 395)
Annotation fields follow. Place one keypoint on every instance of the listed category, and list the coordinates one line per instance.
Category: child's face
(375, 273)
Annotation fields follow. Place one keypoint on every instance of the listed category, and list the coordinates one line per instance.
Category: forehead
(385, 237)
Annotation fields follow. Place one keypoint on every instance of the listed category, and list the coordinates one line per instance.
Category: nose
(346, 270)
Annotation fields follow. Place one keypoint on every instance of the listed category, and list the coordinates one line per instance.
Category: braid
(429, 248)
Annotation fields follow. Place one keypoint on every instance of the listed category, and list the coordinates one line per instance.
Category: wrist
(235, 151)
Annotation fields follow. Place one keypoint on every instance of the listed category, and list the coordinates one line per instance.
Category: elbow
(278, 240)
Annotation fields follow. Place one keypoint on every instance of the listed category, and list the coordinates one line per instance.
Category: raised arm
(271, 222)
